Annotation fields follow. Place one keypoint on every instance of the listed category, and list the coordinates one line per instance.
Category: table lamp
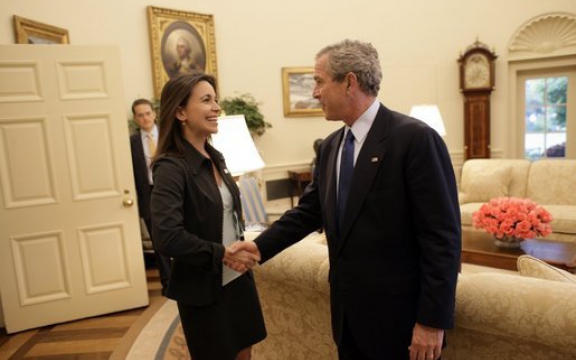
(234, 141)
(430, 114)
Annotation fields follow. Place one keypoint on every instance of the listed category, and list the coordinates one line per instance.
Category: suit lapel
(367, 165)
(140, 158)
(137, 149)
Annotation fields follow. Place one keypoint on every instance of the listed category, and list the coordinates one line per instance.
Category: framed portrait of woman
(180, 42)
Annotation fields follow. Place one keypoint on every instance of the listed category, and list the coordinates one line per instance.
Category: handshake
(241, 256)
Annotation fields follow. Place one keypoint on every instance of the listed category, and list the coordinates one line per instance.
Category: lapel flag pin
(374, 159)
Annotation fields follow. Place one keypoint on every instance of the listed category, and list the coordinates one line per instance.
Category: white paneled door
(69, 234)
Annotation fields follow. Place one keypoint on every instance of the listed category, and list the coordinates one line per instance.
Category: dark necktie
(345, 177)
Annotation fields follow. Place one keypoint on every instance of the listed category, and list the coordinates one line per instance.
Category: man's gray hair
(355, 57)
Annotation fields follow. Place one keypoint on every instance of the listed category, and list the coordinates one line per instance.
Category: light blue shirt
(229, 230)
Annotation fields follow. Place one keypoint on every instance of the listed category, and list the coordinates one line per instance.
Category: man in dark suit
(143, 145)
(390, 214)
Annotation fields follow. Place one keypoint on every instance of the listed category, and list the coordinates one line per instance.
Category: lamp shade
(430, 114)
(234, 141)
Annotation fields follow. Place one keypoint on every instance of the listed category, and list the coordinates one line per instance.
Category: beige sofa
(294, 292)
(498, 316)
(550, 183)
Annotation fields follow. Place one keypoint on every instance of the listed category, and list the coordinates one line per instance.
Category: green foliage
(246, 105)
(546, 103)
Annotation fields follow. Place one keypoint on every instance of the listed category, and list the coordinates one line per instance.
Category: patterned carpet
(104, 337)
(161, 338)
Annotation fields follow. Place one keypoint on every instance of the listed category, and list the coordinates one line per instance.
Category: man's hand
(241, 256)
(426, 343)
(249, 246)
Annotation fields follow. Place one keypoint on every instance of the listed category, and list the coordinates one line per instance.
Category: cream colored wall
(419, 42)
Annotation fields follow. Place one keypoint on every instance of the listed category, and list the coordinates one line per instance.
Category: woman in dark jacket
(196, 216)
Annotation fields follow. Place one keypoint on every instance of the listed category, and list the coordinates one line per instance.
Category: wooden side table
(298, 181)
(478, 248)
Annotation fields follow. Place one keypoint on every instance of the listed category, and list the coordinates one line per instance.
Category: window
(546, 111)
(542, 88)
(545, 117)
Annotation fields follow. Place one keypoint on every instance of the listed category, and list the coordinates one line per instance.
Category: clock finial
(477, 44)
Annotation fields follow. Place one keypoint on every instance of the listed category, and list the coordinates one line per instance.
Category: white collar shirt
(360, 130)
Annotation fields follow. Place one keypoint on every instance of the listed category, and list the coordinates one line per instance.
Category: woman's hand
(241, 256)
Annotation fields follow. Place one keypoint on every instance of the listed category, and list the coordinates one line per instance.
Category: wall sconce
(430, 114)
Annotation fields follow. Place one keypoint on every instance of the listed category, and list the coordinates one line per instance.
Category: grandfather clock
(476, 83)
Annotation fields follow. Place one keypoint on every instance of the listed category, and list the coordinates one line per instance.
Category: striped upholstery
(252, 204)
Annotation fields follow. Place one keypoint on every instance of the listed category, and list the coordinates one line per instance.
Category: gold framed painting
(180, 42)
(28, 31)
(298, 85)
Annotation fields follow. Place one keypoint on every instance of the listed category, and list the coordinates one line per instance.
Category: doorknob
(127, 201)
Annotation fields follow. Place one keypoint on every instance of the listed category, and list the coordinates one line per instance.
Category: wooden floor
(99, 338)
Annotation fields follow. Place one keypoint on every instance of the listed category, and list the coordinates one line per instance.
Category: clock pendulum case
(476, 83)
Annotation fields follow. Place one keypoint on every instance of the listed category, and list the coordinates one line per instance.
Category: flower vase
(508, 242)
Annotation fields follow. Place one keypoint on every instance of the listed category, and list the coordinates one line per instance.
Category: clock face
(477, 72)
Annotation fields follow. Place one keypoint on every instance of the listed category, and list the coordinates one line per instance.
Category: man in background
(143, 146)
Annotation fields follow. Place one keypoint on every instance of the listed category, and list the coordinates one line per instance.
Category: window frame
(540, 68)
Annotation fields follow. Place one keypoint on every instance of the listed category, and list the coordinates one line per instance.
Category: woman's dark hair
(175, 95)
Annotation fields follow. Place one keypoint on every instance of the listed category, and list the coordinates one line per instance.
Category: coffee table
(478, 248)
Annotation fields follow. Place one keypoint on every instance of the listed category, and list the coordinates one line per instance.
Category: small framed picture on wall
(28, 31)
(298, 85)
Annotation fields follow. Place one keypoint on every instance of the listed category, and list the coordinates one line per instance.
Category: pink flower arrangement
(509, 218)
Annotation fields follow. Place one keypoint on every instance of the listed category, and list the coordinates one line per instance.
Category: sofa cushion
(552, 181)
(518, 178)
(563, 218)
(530, 266)
(317, 237)
(482, 184)
(466, 211)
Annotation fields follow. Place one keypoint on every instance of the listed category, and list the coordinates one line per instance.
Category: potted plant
(246, 105)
